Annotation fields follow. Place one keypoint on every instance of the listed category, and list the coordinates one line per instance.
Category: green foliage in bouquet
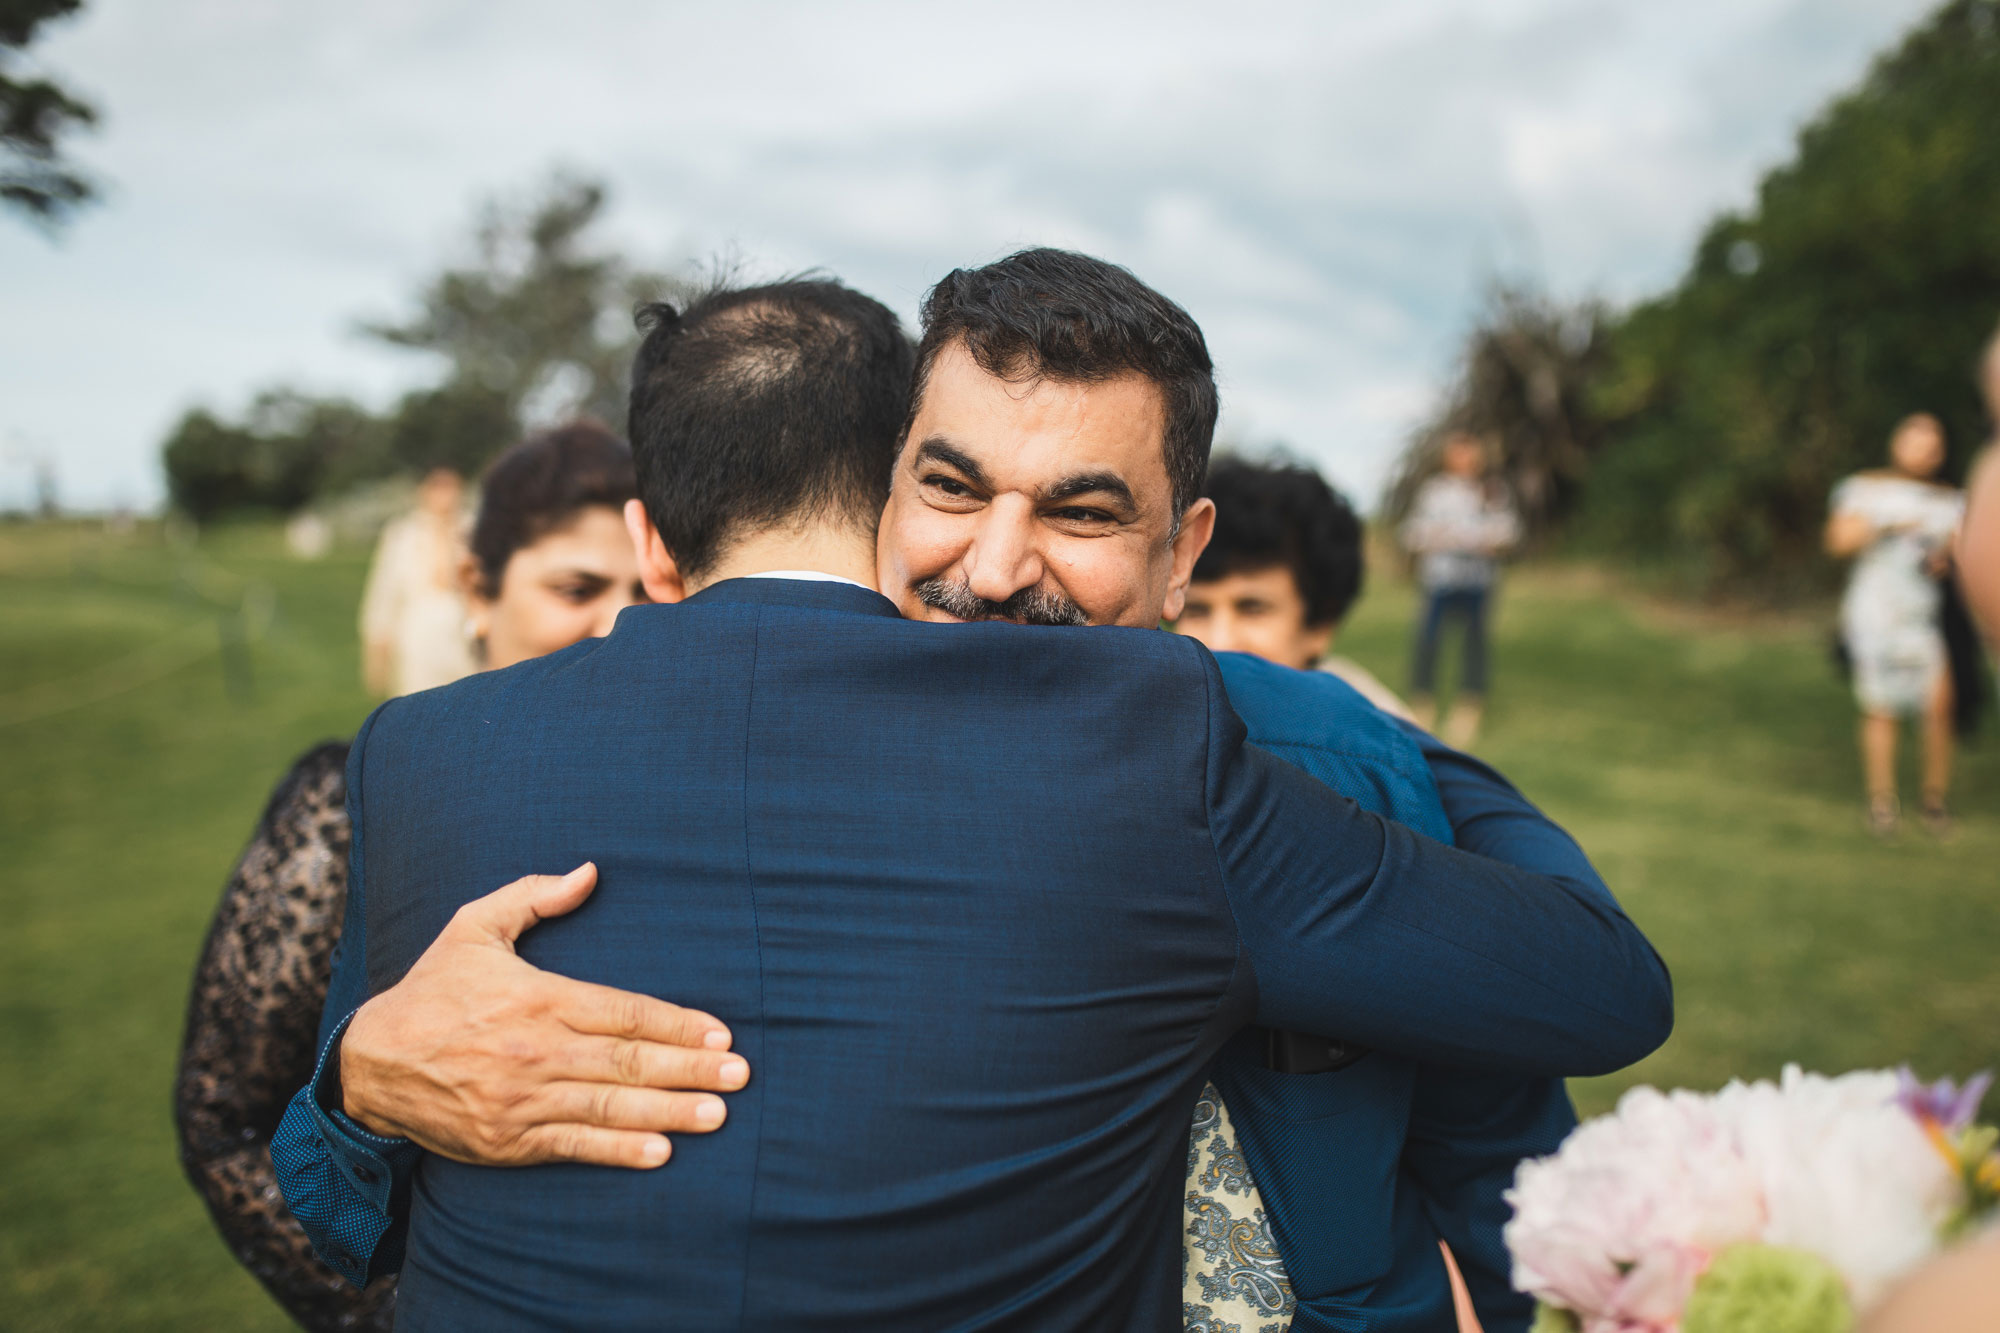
(1549, 1319)
(1768, 1289)
(1971, 1151)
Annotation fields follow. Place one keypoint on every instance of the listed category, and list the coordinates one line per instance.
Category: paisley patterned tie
(1232, 1280)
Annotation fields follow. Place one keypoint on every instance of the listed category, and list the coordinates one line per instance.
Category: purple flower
(1942, 1103)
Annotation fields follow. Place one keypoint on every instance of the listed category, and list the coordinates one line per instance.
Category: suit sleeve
(348, 1188)
(1469, 1132)
(1356, 925)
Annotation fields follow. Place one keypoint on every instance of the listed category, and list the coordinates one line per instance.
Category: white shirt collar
(807, 576)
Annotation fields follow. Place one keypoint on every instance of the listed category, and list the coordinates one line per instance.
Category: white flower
(1845, 1172)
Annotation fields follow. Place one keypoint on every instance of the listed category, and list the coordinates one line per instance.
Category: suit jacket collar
(815, 596)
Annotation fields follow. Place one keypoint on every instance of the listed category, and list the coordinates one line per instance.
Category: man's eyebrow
(1092, 483)
(939, 450)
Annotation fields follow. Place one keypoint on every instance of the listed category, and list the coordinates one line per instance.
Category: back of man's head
(758, 407)
(1062, 316)
(1284, 515)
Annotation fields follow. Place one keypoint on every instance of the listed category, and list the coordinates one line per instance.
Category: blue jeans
(1442, 604)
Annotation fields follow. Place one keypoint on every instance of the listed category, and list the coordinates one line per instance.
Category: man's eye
(1073, 514)
(951, 486)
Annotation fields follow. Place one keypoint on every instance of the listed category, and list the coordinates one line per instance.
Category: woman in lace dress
(1896, 523)
(550, 564)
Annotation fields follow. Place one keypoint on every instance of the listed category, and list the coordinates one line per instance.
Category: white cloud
(1325, 187)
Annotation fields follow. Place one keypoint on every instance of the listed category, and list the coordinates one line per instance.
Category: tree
(1524, 382)
(537, 328)
(541, 319)
(459, 426)
(1858, 290)
(35, 115)
(288, 449)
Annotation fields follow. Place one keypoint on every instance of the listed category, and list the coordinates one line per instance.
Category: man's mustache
(1030, 606)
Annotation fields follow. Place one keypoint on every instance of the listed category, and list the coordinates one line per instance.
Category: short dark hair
(540, 485)
(1067, 317)
(1284, 514)
(761, 405)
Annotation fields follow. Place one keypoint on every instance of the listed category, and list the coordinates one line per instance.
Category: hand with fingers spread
(480, 1056)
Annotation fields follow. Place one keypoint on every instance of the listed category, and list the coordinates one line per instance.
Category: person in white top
(1897, 525)
(1459, 526)
(1281, 572)
(414, 633)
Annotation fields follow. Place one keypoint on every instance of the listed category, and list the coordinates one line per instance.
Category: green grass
(118, 823)
(1708, 767)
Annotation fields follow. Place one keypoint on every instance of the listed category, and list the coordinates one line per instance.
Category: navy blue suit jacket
(981, 904)
(1363, 1169)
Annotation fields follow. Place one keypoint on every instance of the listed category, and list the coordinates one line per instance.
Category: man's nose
(1003, 558)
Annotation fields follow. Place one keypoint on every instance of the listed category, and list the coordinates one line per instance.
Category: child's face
(1258, 612)
(1465, 456)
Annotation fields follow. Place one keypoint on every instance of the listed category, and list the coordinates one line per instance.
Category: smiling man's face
(1040, 501)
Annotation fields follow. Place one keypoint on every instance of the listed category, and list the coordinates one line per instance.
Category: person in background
(1458, 528)
(413, 632)
(1978, 550)
(1896, 524)
(550, 565)
(1285, 565)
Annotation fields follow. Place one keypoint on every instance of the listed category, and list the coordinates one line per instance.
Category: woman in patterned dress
(1896, 523)
(550, 564)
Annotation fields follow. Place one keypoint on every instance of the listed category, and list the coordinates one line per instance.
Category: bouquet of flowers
(1762, 1208)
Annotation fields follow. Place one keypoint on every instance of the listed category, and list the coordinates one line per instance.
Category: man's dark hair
(1059, 315)
(766, 405)
(540, 485)
(1284, 514)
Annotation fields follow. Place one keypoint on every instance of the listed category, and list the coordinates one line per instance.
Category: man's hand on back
(482, 1057)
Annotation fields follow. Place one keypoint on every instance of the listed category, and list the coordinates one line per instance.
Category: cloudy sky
(1326, 186)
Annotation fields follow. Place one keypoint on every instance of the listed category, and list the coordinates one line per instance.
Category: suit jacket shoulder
(1328, 728)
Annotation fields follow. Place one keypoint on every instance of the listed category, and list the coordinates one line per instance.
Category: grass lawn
(1707, 766)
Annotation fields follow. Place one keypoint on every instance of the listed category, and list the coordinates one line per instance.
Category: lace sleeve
(251, 1025)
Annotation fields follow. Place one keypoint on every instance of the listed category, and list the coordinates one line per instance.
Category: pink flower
(1619, 1226)
(1620, 1223)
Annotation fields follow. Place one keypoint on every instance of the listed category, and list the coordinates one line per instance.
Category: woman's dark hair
(1067, 317)
(1284, 515)
(540, 485)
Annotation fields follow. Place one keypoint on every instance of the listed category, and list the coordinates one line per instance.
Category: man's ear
(658, 573)
(1197, 526)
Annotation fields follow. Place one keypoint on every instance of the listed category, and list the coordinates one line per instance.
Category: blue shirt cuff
(342, 1182)
(372, 1163)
